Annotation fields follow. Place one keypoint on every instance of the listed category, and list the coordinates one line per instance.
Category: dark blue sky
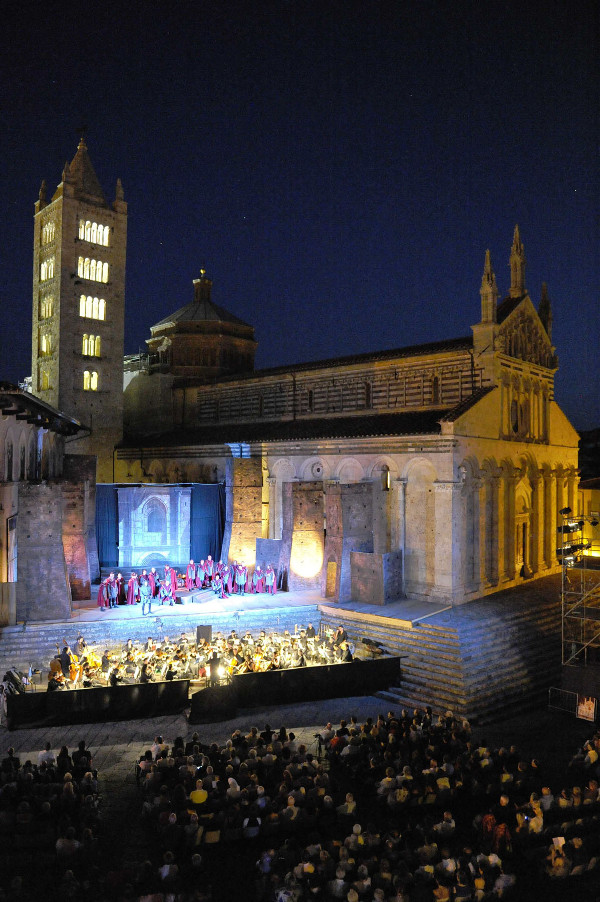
(339, 168)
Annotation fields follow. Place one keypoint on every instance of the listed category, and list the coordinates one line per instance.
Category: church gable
(521, 334)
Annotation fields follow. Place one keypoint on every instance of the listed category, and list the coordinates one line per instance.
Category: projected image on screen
(154, 525)
(148, 525)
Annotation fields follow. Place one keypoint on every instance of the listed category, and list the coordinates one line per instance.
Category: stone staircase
(34, 644)
(498, 654)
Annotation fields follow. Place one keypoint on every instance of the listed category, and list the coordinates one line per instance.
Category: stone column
(483, 530)
(537, 523)
(512, 483)
(550, 533)
(501, 527)
(496, 525)
(400, 520)
(446, 556)
(273, 523)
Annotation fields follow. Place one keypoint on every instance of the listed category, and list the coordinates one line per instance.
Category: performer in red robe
(258, 584)
(190, 576)
(104, 592)
(172, 577)
(241, 578)
(154, 578)
(165, 592)
(121, 597)
(133, 589)
(217, 585)
(209, 569)
(270, 580)
(227, 578)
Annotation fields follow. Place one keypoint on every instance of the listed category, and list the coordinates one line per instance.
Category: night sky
(338, 168)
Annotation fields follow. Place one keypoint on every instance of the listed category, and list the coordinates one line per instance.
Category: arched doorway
(522, 536)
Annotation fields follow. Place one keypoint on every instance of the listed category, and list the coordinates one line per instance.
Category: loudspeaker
(204, 632)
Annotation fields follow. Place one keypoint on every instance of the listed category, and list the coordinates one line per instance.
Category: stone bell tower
(79, 252)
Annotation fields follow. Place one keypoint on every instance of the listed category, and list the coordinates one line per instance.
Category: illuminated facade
(79, 253)
(48, 551)
(437, 469)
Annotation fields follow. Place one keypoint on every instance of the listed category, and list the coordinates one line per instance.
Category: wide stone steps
(475, 660)
(35, 645)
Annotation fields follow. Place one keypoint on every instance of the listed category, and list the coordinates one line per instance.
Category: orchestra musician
(116, 676)
(80, 646)
(183, 658)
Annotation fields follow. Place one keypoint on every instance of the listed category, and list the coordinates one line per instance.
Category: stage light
(565, 511)
(306, 559)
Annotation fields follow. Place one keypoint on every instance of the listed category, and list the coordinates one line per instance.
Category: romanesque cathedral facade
(435, 470)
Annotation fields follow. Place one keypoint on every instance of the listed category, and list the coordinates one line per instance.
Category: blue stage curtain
(107, 525)
(207, 521)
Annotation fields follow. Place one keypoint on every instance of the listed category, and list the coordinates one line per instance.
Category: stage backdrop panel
(150, 525)
(207, 521)
(107, 525)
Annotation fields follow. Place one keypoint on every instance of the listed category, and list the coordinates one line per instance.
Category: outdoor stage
(496, 653)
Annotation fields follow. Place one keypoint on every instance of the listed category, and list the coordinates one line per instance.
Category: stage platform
(496, 653)
(205, 603)
(34, 644)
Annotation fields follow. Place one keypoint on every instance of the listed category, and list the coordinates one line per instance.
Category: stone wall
(79, 523)
(243, 517)
(43, 590)
(307, 546)
(349, 528)
(376, 578)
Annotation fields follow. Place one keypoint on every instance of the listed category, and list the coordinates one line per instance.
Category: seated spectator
(348, 806)
(558, 865)
(546, 799)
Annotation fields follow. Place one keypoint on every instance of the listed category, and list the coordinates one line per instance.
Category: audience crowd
(401, 808)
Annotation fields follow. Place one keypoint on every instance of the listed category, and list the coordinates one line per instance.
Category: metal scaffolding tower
(580, 589)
